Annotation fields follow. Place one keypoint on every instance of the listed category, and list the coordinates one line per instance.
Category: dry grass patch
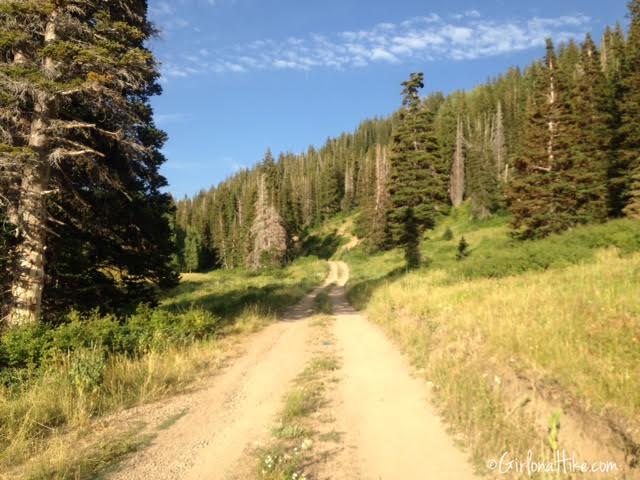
(577, 329)
(46, 417)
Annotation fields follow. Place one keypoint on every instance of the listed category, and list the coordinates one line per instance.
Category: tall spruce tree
(77, 134)
(498, 145)
(192, 251)
(613, 53)
(481, 180)
(418, 176)
(539, 190)
(630, 114)
(591, 138)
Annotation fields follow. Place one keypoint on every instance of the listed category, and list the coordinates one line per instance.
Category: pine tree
(329, 191)
(418, 176)
(613, 53)
(591, 136)
(77, 131)
(378, 217)
(481, 174)
(630, 115)
(349, 185)
(192, 251)
(539, 190)
(445, 125)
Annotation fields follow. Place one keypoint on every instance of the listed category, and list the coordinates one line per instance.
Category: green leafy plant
(86, 369)
(554, 430)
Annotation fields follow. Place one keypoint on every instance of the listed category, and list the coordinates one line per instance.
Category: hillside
(510, 342)
(515, 332)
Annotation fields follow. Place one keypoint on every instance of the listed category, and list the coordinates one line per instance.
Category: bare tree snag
(456, 188)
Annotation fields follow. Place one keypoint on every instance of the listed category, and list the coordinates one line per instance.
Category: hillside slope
(520, 339)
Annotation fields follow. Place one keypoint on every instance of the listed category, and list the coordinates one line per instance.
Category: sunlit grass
(564, 310)
(60, 400)
(229, 292)
(578, 327)
(580, 323)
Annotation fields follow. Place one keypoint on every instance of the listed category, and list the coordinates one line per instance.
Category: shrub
(23, 346)
(87, 331)
(86, 369)
(28, 347)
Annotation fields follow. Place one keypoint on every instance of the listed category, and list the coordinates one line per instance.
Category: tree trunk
(456, 189)
(28, 281)
(28, 276)
(382, 178)
(498, 141)
(551, 123)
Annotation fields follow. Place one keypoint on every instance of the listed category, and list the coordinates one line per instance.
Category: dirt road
(389, 429)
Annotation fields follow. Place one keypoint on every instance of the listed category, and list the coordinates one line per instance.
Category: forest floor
(376, 416)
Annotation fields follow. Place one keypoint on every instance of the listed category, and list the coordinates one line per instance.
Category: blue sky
(243, 75)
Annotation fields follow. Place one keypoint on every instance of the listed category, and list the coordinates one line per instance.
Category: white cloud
(457, 34)
(424, 38)
(163, 12)
(381, 54)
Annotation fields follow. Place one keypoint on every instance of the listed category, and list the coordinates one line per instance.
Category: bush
(30, 346)
(86, 369)
(23, 346)
(91, 330)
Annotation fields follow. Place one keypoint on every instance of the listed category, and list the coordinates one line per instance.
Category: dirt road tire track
(213, 439)
(390, 430)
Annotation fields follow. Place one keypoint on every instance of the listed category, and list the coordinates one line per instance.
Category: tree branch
(542, 169)
(59, 153)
